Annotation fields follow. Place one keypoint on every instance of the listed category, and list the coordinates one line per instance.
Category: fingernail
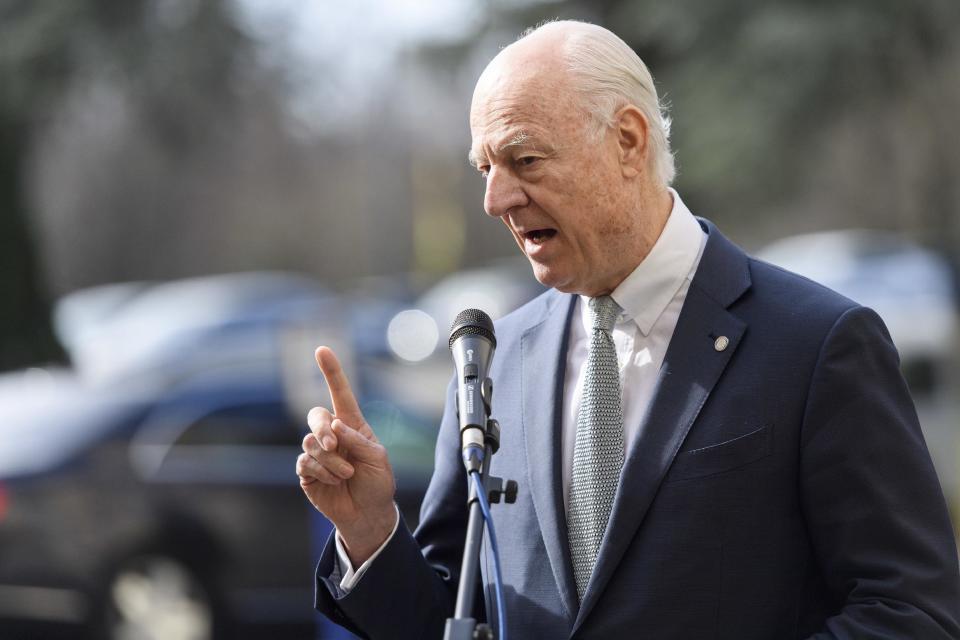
(329, 444)
(346, 469)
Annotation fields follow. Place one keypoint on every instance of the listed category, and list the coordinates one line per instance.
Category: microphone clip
(479, 441)
(497, 489)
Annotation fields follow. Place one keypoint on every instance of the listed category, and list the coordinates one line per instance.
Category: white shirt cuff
(350, 576)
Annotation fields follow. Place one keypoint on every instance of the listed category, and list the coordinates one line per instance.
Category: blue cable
(497, 578)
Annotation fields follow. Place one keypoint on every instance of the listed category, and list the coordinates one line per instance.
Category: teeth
(539, 235)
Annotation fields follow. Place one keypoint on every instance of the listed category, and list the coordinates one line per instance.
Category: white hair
(610, 75)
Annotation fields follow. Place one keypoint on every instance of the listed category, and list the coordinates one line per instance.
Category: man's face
(558, 189)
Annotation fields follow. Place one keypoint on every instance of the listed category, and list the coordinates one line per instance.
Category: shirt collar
(645, 293)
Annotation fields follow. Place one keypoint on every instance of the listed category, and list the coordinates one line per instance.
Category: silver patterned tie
(598, 453)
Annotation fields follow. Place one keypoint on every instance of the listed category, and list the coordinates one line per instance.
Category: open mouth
(539, 236)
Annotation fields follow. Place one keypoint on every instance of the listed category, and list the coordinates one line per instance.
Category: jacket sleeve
(410, 589)
(872, 501)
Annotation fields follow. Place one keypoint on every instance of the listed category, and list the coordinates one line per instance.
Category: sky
(332, 52)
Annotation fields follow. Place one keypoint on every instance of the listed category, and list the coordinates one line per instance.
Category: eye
(527, 161)
(484, 171)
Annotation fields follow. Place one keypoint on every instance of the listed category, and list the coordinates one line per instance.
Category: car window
(408, 439)
(243, 425)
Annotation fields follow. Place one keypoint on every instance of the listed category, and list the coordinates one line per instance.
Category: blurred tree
(159, 148)
(791, 115)
(759, 85)
(46, 48)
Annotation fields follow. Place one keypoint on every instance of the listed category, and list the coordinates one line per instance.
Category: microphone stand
(463, 626)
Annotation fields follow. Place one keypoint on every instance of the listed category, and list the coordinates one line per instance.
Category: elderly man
(707, 446)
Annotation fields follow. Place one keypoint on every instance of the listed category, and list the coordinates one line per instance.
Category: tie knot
(605, 313)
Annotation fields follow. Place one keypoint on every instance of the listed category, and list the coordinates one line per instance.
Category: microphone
(472, 343)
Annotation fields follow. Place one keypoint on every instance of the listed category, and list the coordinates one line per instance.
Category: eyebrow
(519, 139)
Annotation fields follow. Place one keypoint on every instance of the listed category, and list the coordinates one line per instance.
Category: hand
(344, 471)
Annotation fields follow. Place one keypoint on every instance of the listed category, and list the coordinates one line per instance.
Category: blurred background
(193, 195)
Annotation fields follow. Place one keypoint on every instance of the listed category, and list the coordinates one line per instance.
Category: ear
(633, 135)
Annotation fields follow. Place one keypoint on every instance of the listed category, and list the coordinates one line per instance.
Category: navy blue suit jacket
(778, 488)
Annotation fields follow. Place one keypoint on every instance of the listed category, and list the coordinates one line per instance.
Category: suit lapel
(690, 370)
(543, 362)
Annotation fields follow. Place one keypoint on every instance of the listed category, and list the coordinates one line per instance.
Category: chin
(552, 278)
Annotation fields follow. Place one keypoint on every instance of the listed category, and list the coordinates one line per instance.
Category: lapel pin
(721, 343)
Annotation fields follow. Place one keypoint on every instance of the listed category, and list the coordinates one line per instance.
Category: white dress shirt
(651, 298)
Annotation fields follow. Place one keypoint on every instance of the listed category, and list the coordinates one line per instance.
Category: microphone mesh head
(472, 322)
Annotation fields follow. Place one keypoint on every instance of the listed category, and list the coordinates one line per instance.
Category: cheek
(609, 214)
(618, 226)
(597, 199)
(600, 219)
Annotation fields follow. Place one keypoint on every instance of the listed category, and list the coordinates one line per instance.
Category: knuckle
(301, 467)
(308, 440)
(326, 477)
(317, 415)
(311, 446)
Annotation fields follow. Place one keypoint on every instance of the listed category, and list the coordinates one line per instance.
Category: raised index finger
(344, 402)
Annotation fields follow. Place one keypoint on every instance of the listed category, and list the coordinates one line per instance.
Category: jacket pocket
(723, 456)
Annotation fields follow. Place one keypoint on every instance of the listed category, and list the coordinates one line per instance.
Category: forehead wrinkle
(504, 116)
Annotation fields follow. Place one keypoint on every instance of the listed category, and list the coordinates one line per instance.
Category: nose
(504, 192)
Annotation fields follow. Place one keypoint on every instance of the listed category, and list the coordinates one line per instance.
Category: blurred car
(416, 368)
(154, 496)
(164, 329)
(911, 287)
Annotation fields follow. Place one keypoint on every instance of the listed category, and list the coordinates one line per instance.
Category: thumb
(355, 445)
